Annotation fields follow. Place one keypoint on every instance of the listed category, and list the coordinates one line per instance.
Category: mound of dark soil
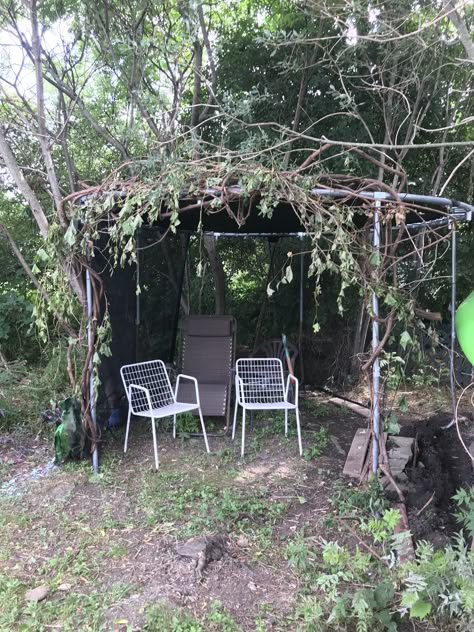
(440, 466)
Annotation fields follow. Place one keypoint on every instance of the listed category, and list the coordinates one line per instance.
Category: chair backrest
(262, 380)
(208, 348)
(152, 376)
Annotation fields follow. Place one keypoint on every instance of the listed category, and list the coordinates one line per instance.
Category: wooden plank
(357, 453)
(360, 410)
(407, 550)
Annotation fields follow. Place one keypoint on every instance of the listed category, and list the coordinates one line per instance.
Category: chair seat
(269, 406)
(168, 411)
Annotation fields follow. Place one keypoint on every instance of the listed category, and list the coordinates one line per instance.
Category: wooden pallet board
(357, 453)
(407, 551)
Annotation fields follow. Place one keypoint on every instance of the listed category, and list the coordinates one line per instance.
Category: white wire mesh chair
(259, 385)
(150, 394)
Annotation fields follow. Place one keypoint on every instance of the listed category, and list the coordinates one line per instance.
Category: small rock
(242, 542)
(37, 594)
(64, 587)
(192, 547)
(61, 492)
(252, 586)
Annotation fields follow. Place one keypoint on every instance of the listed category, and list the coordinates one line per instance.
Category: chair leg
(298, 430)
(234, 425)
(174, 426)
(155, 445)
(242, 451)
(125, 445)
(286, 422)
(203, 430)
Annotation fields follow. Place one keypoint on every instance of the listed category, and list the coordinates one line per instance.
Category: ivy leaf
(70, 235)
(390, 300)
(375, 259)
(43, 255)
(405, 340)
(420, 609)
(403, 404)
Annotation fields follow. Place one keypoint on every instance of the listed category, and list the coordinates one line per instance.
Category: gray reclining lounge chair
(208, 354)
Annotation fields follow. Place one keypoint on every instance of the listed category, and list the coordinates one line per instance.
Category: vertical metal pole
(375, 343)
(453, 315)
(137, 303)
(300, 333)
(95, 455)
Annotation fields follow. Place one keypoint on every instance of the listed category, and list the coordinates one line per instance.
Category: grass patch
(315, 408)
(69, 612)
(161, 617)
(195, 507)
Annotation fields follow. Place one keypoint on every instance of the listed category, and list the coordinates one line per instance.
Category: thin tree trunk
(461, 29)
(41, 116)
(23, 186)
(197, 83)
(305, 77)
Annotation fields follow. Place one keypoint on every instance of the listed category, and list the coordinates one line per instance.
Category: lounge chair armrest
(137, 387)
(192, 379)
(292, 378)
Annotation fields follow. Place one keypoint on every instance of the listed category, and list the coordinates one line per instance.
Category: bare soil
(63, 526)
(440, 467)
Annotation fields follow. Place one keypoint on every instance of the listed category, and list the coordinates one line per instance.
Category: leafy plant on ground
(368, 589)
(359, 501)
(199, 506)
(465, 512)
(319, 442)
(162, 617)
(315, 408)
(74, 610)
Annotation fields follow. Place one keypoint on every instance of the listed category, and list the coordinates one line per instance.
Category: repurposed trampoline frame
(457, 211)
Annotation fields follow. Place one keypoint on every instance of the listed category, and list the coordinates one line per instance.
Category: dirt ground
(105, 545)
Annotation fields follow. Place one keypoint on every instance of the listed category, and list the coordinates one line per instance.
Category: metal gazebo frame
(456, 211)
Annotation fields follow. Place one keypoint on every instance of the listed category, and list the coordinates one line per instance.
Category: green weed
(161, 617)
(194, 506)
(315, 408)
(319, 442)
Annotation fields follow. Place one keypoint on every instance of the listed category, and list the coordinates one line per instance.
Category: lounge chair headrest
(208, 325)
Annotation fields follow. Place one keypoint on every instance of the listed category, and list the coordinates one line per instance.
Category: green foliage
(206, 507)
(319, 442)
(465, 513)
(316, 408)
(17, 336)
(77, 610)
(362, 501)
(440, 587)
(162, 617)
(300, 556)
(186, 425)
(25, 391)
